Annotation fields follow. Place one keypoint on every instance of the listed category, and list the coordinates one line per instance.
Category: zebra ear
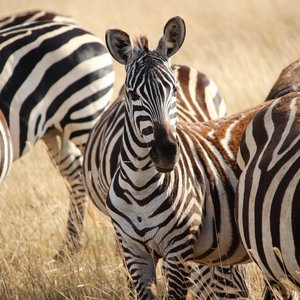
(173, 37)
(119, 45)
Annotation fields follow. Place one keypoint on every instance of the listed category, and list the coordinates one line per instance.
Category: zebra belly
(215, 249)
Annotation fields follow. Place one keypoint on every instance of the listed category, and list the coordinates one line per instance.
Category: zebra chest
(138, 213)
(147, 220)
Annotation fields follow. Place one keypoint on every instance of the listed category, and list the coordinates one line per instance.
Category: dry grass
(32, 222)
(242, 45)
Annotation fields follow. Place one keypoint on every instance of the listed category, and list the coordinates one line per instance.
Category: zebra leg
(177, 273)
(68, 157)
(141, 267)
(201, 280)
(217, 282)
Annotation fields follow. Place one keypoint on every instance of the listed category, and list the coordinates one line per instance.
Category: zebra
(154, 190)
(6, 154)
(287, 82)
(55, 80)
(197, 99)
(268, 191)
(33, 16)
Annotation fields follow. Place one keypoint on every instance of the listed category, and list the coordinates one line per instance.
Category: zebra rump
(55, 80)
(269, 190)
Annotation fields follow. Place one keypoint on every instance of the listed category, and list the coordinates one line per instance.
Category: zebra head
(150, 89)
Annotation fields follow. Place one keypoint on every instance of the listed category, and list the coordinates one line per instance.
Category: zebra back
(287, 82)
(199, 98)
(33, 16)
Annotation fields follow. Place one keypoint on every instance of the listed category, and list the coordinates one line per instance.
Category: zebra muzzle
(164, 151)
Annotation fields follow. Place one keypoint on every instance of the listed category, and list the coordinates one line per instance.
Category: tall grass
(242, 45)
(33, 211)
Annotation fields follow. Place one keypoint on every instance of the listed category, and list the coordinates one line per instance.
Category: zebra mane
(141, 43)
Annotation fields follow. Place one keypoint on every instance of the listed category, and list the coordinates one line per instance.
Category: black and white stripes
(41, 68)
(55, 80)
(198, 99)
(269, 190)
(217, 282)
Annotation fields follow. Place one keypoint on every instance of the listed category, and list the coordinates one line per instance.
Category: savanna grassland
(242, 45)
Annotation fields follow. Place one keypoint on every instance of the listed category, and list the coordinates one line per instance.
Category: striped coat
(198, 100)
(55, 80)
(268, 191)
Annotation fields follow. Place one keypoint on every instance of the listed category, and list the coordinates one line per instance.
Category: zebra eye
(133, 96)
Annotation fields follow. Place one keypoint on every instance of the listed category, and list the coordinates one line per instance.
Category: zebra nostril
(164, 155)
(153, 154)
(173, 149)
(168, 148)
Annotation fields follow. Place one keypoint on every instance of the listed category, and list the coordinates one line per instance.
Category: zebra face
(150, 89)
(151, 105)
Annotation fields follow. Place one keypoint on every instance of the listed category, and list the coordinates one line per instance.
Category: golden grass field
(242, 45)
